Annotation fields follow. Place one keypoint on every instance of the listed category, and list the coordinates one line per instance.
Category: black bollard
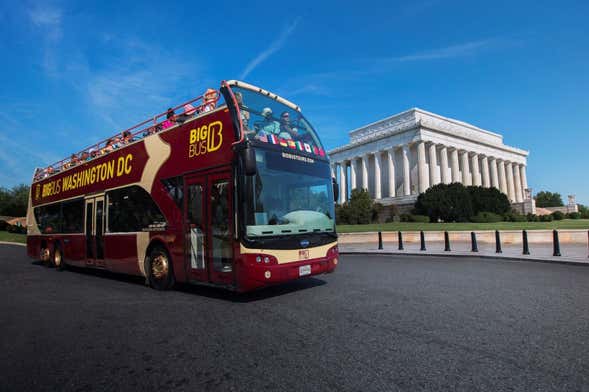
(379, 240)
(422, 238)
(556, 243)
(400, 241)
(497, 242)
(473, 240)
(446, 242)
(525, 241)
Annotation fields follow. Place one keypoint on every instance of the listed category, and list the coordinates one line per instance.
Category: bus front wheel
(57, 260)
(160, 273)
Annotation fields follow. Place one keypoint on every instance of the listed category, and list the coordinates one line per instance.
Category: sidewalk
(572, 253)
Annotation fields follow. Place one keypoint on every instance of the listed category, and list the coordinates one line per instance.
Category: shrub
(419, 218)
(376, 210)
(573, 215)
(514, 217)
(532, 217)
(16, 229)
(545, 218)
(3, 225)
(557, 215)
(486, 217)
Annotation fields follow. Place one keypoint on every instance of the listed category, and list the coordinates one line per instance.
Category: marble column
(406, 171)
(485, 172)
(445, 176)
(423, 178)
(342, 182)
(522, 173)
(518, 184)
(455, 166)
(510, 184)
(474, 166)
(502, 180)
(494, 176)
(433, 165)
(365, 172)
(353, 183)
(466, 177)
(391, 163)
(377, 176)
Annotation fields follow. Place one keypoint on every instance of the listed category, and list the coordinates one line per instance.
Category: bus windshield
(268, 120)
(288, 196)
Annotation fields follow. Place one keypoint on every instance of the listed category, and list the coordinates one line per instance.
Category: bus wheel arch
(159, 271)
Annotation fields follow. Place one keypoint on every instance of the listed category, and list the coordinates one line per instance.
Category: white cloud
(49, 19)
(276, 45)
(452, 51)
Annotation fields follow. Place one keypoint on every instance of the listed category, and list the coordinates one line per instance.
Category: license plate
(304, 270)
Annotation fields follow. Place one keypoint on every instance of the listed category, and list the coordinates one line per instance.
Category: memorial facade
(399, 157)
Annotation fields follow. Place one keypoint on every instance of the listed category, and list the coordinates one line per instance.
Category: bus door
(94, 230)
(209, 231)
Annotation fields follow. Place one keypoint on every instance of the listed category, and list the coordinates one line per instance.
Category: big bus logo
(205, 139)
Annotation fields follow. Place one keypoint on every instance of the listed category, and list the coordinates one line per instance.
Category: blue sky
(74, 73)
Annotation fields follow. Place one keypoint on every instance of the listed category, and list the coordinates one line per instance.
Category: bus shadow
(203, 290)
(104, 274)
(257, 295)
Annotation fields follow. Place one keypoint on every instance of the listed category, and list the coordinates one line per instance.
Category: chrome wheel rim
(44, 254)
(159, 267)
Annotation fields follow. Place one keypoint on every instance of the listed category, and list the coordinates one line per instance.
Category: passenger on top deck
(84, 156)
(286, 126)
(108, 147)
(126, 138)
(209, 100)
(268, 125)
(170, 119)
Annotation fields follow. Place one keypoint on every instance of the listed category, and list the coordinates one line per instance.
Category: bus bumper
(261, 275)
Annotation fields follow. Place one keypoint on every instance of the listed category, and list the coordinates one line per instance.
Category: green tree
(360, 209)
(449, 203)
(548, 199)
(14, 202)
(488, 200)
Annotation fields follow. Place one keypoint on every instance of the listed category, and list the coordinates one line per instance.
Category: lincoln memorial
(401, 156)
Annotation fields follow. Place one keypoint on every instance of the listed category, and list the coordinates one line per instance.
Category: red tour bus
(236, 193)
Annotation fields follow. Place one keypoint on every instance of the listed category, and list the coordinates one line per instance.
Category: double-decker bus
(234, 191)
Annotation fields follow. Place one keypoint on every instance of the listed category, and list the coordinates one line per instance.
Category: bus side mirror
(249, 160)
(335, 189)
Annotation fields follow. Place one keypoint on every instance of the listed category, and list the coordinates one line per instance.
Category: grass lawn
(12, 237)
(410, 226)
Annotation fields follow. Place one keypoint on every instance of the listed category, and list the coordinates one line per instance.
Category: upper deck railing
(190, 109)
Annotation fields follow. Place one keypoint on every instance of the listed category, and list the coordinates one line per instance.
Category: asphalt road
(377, 324)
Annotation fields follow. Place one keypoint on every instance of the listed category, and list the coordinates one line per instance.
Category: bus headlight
(258, 259)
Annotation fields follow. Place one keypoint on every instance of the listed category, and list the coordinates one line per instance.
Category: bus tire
(57, 259)
(159, 269)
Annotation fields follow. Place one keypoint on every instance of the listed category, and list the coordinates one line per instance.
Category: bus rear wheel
(45, 255)
(160, 273)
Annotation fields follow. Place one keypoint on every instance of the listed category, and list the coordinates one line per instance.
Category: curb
(483, 256)
(12, 243)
